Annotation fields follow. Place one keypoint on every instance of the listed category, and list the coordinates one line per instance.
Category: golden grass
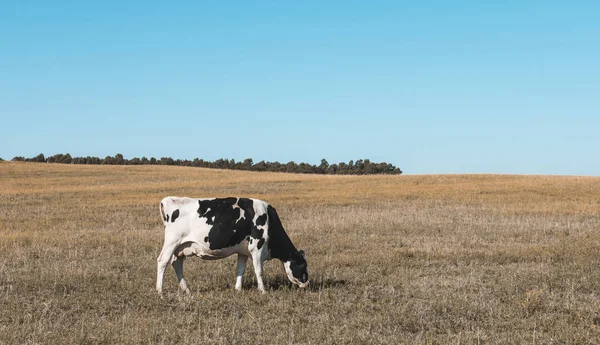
(445, 259)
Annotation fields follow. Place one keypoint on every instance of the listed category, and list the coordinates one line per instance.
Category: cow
(219, 227)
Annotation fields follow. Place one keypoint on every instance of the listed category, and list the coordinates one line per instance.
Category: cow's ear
(301, 252)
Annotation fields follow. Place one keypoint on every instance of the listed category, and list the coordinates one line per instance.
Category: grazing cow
(217, 228)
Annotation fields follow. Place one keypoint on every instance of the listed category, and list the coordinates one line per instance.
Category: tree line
(359, 167)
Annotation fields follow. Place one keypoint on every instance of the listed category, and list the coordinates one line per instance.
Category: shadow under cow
(282, 283)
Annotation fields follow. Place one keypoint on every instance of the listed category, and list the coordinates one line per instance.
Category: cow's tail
(165, 210)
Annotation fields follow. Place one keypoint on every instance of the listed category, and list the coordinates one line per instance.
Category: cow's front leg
(241, 268)
(258, 262)
(178, 266)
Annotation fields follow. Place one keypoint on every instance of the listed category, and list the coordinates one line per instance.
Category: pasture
(440, 259)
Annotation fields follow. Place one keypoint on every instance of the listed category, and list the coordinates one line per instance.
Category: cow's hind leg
(241, 267)
(163, 260)
(178, 266)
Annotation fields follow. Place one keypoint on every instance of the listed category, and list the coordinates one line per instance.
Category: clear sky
(429, 86)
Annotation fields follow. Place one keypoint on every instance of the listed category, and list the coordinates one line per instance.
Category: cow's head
(296, 269)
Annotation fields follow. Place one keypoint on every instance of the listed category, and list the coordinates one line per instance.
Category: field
(440, 259)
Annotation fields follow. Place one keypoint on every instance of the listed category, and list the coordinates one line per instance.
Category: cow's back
(215, 223)
(173, 208)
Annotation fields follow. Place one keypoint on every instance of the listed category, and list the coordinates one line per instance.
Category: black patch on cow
(250, 240)
(167, 218)
(261, 220)
(206, 239)
(248, 206)
(279, 244)
(175, 215)
(226, 230)
(298, 267)
(281, 247)
(256, 232)
(260, 243)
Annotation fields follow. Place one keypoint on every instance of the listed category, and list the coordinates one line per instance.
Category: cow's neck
(281, 246)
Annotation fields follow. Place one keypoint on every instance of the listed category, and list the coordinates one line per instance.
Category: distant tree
(166, 161)
(59, 158)
(350, 167)
(118, 159)
(220, 163)
(38, 159)
(359, 167)
(332, 169)
(369, 168)
(275, 167)
(260, 166)
(291, 167)
(108, 160)
(66, 159)
(247, 164)
(304, 168)
(323, 166)
(18, 159)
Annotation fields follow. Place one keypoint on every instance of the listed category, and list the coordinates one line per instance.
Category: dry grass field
(450, 259)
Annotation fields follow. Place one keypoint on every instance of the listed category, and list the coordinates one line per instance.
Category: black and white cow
(217, 228)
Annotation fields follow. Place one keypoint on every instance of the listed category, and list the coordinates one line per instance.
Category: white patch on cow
(260, 208)
(242, 215)
(177, 201)
(242, 212)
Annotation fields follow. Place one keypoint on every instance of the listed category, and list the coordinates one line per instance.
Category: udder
(194, 249)
(188, 249)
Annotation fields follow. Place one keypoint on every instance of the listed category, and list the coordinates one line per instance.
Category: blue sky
(431, 86)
